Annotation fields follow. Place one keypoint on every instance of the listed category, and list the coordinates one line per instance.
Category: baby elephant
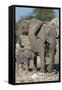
(24, 57)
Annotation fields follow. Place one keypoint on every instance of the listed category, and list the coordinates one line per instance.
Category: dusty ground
(23, 76)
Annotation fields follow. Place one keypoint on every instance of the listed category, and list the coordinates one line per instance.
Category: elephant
(41, 37)
(24, 57)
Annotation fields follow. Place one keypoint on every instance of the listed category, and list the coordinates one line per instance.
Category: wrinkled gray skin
(47, 33)
(37, 39)
(23, 57)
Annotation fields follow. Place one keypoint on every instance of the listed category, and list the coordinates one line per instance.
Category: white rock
(34, 76)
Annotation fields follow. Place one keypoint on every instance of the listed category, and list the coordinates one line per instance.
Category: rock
(34, 76)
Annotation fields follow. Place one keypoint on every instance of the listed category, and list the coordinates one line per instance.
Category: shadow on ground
(57, 67)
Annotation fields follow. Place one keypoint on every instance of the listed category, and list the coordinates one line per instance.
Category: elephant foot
(49, 67)
(42, 70)
(49, 70)
(52, 71)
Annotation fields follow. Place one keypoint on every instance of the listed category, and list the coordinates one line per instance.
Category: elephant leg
(42, 59)
(18, 67)
(26, 65)
(51, 61)
(31, 64)
(52, 48)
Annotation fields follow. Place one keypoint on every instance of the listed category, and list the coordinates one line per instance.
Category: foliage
(43, 14)
(26, 18)
(39, 13)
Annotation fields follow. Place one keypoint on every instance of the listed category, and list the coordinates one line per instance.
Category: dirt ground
(23, 76)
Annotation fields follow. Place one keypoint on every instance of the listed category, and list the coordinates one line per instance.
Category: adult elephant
(42, 36)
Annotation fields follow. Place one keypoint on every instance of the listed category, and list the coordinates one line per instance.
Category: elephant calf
(24, 57)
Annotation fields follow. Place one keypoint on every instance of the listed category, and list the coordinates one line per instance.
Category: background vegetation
(39, 13)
